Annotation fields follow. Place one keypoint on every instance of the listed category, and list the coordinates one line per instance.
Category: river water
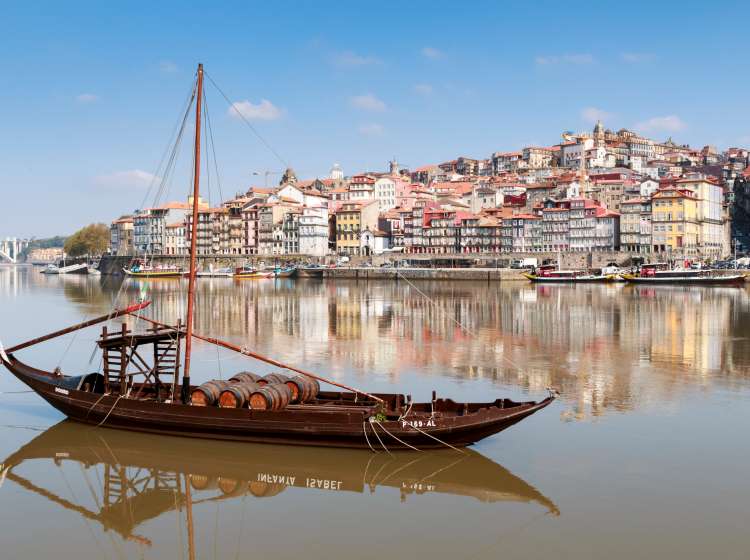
(644, 455)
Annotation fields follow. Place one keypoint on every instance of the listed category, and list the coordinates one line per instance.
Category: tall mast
(193, 238)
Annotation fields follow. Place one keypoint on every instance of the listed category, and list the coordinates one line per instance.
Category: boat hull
(310, 272)
(252, 275)
(571, 280)
(153, 274)
(729, 279)
(328, 426)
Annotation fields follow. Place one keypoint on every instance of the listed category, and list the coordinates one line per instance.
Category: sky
(91, 92)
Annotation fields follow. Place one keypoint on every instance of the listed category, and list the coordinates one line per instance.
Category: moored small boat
(142, 269)
(552, 275)
(311, 271)
(661, 273)
(250, 273)
(286, 272)
(153, 272)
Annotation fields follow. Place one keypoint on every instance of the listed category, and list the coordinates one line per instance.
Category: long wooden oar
(262, 358)
(114, 315)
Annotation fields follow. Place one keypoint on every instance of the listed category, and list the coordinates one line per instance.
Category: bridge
(11, 247)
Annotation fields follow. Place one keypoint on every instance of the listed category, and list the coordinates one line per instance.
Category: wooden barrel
(271, 397)
(304, 388)
(245, 377)
(230, 486)
(273, 378)
(237, 395)
(264, 489)
(202, 482)
(208, 393)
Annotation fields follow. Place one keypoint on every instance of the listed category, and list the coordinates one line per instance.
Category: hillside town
(598, 191)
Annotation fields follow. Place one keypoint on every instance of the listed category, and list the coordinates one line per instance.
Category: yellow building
(675, 224)
(713, 240)
(351, 220)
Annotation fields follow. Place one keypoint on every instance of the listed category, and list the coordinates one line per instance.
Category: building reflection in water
(605, 347)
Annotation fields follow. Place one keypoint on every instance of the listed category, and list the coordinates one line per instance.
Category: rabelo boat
(145, 386)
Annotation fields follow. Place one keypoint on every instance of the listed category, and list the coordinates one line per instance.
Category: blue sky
(91, 91)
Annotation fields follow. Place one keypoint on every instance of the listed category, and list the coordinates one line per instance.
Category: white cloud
(372, 129)
(592, 114)
(168, 67)
(431, 52)
(582, 58)
(635, 58)
(367, 102)
(670, 123)
(87, 98)
(350, 59)
(263, 111)
(423, 89)
(134, 178)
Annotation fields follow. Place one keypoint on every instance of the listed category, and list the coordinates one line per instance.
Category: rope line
(438, 440)
(402, 442)
(450, 317)
(110, 410)
(247, 122)
(367, 439)
(374, 431)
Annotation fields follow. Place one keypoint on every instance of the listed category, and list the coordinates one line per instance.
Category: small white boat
(70, 269)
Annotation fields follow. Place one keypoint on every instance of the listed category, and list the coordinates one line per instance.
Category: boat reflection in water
(145, 476)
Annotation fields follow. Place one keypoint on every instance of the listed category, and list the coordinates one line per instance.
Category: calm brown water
(644, 455)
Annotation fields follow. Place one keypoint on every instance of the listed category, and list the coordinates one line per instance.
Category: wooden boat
(151, 391)
(145, 271)
(552, 275)
(286, 272)
(311, 271)
(661, 273)
(249, 273)
(81, 268)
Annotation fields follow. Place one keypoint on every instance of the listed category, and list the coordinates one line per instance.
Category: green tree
(90, 240)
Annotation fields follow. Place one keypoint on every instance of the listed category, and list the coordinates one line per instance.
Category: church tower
(599, 135)
(336, 172)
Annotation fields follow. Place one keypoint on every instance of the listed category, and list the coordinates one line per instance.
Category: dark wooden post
(123, 361)
(106, 361)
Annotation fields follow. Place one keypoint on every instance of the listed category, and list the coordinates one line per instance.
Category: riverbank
(113, 265)
(389, 273)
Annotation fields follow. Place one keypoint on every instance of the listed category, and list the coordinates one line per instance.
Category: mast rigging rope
(247, 122)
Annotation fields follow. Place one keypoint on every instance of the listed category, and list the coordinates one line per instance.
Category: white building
(648, 187)
(571, 152)
(385, 193)
(373, 242)
(291, 194)
(313, 232)
(150, 226)
(361, 188)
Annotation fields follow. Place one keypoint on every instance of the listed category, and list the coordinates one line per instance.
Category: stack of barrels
(250, 390)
